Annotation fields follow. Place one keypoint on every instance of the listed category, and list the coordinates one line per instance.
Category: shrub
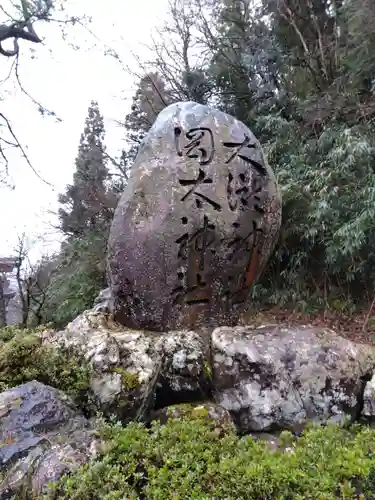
(77, 279)
(23, 358)
(190, 459)
(326, 247)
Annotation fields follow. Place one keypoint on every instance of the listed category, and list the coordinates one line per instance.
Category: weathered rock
(206, 411)
(368, 410)
(134, 370)
(273, 377)
(195, 225)
(272, 441)
(42, 436)
(103, 302)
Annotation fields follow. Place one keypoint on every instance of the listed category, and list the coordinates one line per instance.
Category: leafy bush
(78, 278)
(326, 247)
(189, 458)
(23, 358)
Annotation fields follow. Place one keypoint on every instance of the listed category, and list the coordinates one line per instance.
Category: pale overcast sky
(65, 81)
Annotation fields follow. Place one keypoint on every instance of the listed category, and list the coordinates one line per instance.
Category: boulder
(42, 436)
(135, 371)
(269, 378)
(368, 410)
(281, 378)
(195, 225)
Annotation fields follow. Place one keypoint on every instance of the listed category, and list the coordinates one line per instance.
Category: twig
(149, 393)
(319, 34)
(42, 109)
(9, 73)
(368, 315)
(19, 145)
(2, 154)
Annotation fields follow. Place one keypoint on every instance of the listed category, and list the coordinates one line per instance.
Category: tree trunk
(3, 317)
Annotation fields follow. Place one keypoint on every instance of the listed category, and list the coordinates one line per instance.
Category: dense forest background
(301, 75)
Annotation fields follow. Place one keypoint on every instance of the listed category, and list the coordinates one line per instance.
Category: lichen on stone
(130, 380)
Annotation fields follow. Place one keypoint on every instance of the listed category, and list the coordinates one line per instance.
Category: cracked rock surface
(273, 377)
(368, 410)
(42, 436)
(267, 378)
(131, 365)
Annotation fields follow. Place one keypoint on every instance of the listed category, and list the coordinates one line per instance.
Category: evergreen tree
(149, 99)
(246, 60)
(79, 272)
(88, 203)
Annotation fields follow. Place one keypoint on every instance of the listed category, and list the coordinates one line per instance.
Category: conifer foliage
(88, 203)
(87, 208)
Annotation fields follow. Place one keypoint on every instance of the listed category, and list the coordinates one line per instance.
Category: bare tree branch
(19, 145)
(22, 29)
(42, 109)
(18, 26)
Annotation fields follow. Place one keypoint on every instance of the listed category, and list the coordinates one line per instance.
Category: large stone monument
(195, 225)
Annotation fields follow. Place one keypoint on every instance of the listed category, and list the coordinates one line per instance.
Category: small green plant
(286, 439)
(190, 410)
(23, 358)
(188, 458)
(130, 380)
(207, 369)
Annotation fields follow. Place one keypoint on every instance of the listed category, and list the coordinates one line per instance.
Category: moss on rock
(130, 380)
(24, 358)
(207, 411)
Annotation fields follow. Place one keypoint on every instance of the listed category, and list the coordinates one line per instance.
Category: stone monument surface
(195, 225)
